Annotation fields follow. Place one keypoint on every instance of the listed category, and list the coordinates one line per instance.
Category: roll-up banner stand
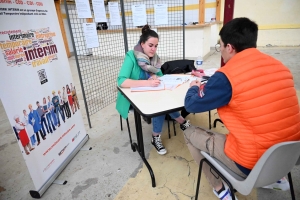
(37, 90)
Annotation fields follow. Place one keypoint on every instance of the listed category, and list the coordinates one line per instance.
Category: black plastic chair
(148, 120)
(170, 119)
(128, 127)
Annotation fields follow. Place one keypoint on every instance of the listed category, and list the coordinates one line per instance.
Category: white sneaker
(283, 184)
(156, 141)
(185, 125)
(225, 194)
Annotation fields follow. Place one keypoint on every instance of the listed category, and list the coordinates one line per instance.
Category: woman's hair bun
(146, 28)
(147, 33)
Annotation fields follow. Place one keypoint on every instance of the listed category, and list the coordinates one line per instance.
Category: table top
(155, 103)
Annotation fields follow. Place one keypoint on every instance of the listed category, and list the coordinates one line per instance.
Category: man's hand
(197, 83)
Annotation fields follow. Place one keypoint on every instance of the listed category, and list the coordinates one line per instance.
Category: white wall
(198, 41)
(214, 35)
(278, 20)
(279, 37)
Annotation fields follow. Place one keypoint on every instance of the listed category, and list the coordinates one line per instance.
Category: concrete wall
(199, 40)
(278, 20)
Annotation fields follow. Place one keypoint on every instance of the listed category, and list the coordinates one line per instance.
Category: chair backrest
(274, 164)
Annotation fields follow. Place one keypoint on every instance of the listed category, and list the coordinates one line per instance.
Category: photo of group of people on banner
(48, 115)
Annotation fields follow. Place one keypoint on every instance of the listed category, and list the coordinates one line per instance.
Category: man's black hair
(241, 33)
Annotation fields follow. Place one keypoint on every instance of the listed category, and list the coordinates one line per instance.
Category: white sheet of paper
(161, 14)
(170, 87)
(99, 11)
(194, 78)
(114, 13)
(210, 72)
(139, 16)
(83, 9)
(175, 79)
(90, 35)
(161, 86)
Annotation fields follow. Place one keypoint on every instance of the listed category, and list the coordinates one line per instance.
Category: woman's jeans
(158, 122)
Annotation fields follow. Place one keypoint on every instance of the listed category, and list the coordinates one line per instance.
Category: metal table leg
(139, 146)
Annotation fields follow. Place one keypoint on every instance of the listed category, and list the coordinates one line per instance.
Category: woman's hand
(153, 77)
(128, 83)
(154, 83)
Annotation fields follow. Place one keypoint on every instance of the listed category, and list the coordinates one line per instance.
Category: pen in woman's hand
(153, 77)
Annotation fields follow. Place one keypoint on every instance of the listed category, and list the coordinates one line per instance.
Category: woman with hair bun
(142, 67)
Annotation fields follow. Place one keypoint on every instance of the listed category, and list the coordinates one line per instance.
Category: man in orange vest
(256, 100)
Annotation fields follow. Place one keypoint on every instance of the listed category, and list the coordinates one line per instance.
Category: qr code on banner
(42, 76)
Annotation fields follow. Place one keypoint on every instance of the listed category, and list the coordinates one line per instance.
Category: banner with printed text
(37, 90)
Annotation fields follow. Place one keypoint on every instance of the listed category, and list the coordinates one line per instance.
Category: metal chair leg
(223, 178)
(209, 119)
(215, 122)
(174, 128)
(121, 123)
(129, 133)
(168, 119)
(221, 175)
(199, 178)
(291, 186)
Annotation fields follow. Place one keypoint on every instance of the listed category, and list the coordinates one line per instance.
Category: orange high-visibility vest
(263, 109)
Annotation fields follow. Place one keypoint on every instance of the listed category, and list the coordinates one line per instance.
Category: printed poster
(83, 9)
(139, 16)
(99, 11)
(37, 90)
(161, 14)
(114, 13)
(90, 35)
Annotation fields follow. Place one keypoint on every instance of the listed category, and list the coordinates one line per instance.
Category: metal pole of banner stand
(78, 68)
(183, 24)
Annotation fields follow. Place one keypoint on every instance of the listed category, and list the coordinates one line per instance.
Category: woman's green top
(129, 70)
